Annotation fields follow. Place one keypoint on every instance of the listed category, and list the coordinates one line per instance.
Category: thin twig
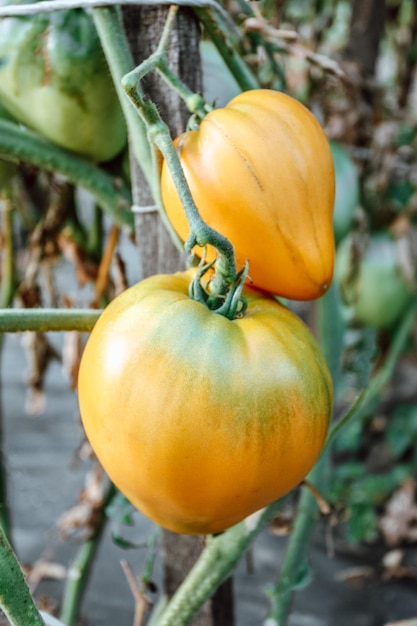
(142, 602)
(324, 506)
(105, 264)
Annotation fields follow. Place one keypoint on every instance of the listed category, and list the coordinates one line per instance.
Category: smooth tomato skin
(261, 172)
(199, 420)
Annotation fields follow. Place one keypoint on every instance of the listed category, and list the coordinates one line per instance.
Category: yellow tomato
(200, 420)
(261, 172)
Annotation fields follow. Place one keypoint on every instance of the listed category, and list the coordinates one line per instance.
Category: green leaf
(363, 523)
(120, 510)
(401, 433)
(125, 544)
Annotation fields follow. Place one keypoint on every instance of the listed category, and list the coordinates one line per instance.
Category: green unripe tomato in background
(347, 191)
(54, 79)
(377, 293)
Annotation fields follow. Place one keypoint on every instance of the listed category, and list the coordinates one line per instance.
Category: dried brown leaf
(85, 270)
(71, 356)
(40, 353)
(42, 570)
(80, 522)
(120, 278)
(356, 576)
(399, 523)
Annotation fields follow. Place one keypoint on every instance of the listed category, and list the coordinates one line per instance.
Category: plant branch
(295, 568)
(81, 565)
(215, 564)
(200, 233)
(8, 283)
(382, 376)
(227, 44)
(15, 598)
(43, 320)
(24, 145)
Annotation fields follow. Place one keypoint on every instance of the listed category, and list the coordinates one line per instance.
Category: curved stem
(200, 233)
(215, 564)
(43, 320)
(382, 377)
(26, 146)
(81, 565)
(15, 599)
(226, 42)
(295, 567)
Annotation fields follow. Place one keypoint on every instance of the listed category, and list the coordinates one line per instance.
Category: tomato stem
(226, 278)
(43, 320)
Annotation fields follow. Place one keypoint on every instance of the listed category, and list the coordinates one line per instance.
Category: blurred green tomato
(54, 78)
(347, 191)
(377, 292)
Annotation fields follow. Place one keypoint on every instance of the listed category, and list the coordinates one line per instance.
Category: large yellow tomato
(261, 172)
(200, 420)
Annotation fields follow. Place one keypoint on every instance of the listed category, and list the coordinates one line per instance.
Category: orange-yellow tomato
(261, 172)
(197, 419)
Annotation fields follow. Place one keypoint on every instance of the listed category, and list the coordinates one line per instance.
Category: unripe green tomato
(347, 191)
(54, 78)
(377, 293)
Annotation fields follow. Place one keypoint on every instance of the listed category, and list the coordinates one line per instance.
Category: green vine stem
(217, 561)
(23, 145)
(159, 61)
(220, 33)
(80, 567)
(295, 567)
(200, 233)
(380, 378)
(109, 26)
(15, 599)
(7, 288)
(43, 320)
(4, 506)
(8, 282)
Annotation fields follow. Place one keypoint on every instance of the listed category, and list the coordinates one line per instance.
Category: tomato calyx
(231, 304)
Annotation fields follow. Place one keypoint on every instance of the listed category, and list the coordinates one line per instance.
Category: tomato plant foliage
(200, 420)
